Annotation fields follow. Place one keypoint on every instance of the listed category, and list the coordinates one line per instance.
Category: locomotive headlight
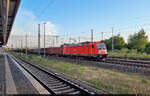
(99, 51)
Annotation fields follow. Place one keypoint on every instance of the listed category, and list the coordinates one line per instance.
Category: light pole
(92, 35)
(26, 45)
(39, 39)
(44, 38)
(102, 35)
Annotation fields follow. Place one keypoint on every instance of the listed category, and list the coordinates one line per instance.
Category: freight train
(96, 50)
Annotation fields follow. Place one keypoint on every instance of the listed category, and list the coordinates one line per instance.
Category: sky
(75, 18)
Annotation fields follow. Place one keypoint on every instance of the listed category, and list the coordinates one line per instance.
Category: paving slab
(22, 84)
(2, 74)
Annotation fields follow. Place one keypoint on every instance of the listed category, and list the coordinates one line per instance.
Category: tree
(147, 48)
(118, 42)
(108, 43)
(138, 40)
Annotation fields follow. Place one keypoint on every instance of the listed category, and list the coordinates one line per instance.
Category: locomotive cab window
(92, 46)
(101, 46)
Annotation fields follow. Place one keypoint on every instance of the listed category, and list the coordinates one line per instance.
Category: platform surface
(14, 80)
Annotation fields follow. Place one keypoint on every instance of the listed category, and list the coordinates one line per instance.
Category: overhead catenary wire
(46, 7)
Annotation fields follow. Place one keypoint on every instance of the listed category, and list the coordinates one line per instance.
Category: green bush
(147, 48)
(138, 41)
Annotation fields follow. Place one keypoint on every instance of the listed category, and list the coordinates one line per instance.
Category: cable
(49, 4)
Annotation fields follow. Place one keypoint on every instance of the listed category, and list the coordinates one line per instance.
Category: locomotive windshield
(101, 46)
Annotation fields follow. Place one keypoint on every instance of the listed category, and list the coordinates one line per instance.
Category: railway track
(125, 62)
(130, 58)
(128, 62)
(54, 83)
(117, 61)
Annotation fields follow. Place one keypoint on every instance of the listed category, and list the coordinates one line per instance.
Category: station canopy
(8, 10)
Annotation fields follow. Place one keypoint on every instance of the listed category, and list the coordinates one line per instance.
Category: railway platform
(15, 80)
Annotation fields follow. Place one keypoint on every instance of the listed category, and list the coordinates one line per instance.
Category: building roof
(8, 10)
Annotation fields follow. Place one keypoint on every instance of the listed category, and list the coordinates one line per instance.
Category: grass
(128, 53)
(103, 79)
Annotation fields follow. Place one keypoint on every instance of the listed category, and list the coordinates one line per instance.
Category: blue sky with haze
(72, 17)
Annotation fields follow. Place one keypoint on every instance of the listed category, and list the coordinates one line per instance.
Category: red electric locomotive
(86, 49)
